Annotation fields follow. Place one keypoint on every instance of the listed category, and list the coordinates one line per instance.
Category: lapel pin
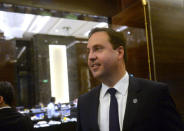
(135, 100)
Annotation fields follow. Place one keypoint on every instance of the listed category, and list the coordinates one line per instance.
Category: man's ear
(1, 100)
(120, 51)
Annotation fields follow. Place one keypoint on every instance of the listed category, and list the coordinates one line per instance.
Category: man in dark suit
(122, 102)
(10, 119)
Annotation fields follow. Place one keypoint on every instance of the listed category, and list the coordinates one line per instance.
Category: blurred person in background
(10, 119)
(51, 110)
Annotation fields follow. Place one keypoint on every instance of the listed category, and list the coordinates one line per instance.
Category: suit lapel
(132, 103)
(95, 106)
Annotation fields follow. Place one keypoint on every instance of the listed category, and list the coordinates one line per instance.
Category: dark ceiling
(122, 12)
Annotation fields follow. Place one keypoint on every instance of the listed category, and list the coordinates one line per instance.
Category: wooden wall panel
(137, 58)
(167, 26)
(93, 7)
(127, 3)
(131, 15)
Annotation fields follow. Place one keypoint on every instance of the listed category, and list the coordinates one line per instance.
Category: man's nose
(92, 56)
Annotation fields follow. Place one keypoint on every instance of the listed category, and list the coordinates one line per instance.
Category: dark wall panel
(7, 61)
(167, 25)
(131, 15)
(41, 65)
(93, 7)
(137, 57)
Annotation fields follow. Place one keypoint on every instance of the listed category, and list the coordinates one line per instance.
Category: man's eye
(98, 48)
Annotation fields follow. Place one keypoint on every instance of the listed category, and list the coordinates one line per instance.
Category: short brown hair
(7, 92)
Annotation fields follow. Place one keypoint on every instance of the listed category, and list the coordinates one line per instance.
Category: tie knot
(112, 91)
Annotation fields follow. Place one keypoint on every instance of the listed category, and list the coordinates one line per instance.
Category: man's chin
(96, 75)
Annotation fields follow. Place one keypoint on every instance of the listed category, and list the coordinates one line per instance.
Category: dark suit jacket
(11, 120)
(153, 111)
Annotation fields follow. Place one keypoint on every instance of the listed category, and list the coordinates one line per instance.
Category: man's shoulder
(10, 111)
(93, 92)
(148, 84)
(10, 117)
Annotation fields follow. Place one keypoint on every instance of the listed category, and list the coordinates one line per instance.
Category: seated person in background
(41, 104)
(51, 112)
(10, 119)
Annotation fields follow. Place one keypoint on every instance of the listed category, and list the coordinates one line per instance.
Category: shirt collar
(121, 86)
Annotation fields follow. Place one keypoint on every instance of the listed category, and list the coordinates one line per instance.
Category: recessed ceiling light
(56, 30)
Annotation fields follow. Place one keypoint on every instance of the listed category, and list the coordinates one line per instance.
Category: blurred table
(69, 126)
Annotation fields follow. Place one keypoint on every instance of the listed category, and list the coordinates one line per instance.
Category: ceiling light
(27, 20)
(56, 30)
(87, 33)
(99, 25)
(121, 28)
(39, 23)
(102, 24)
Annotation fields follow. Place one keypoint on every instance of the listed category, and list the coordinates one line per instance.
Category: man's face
(102, 58)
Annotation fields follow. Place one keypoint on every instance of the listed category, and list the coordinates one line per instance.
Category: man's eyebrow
(94, 46)
(97, 45)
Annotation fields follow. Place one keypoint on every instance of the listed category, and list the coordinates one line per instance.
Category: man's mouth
(95, 66)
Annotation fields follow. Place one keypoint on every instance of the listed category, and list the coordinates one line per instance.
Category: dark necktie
(113, 112)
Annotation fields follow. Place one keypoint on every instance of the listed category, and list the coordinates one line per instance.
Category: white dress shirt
(51, 111)
(104, 103)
